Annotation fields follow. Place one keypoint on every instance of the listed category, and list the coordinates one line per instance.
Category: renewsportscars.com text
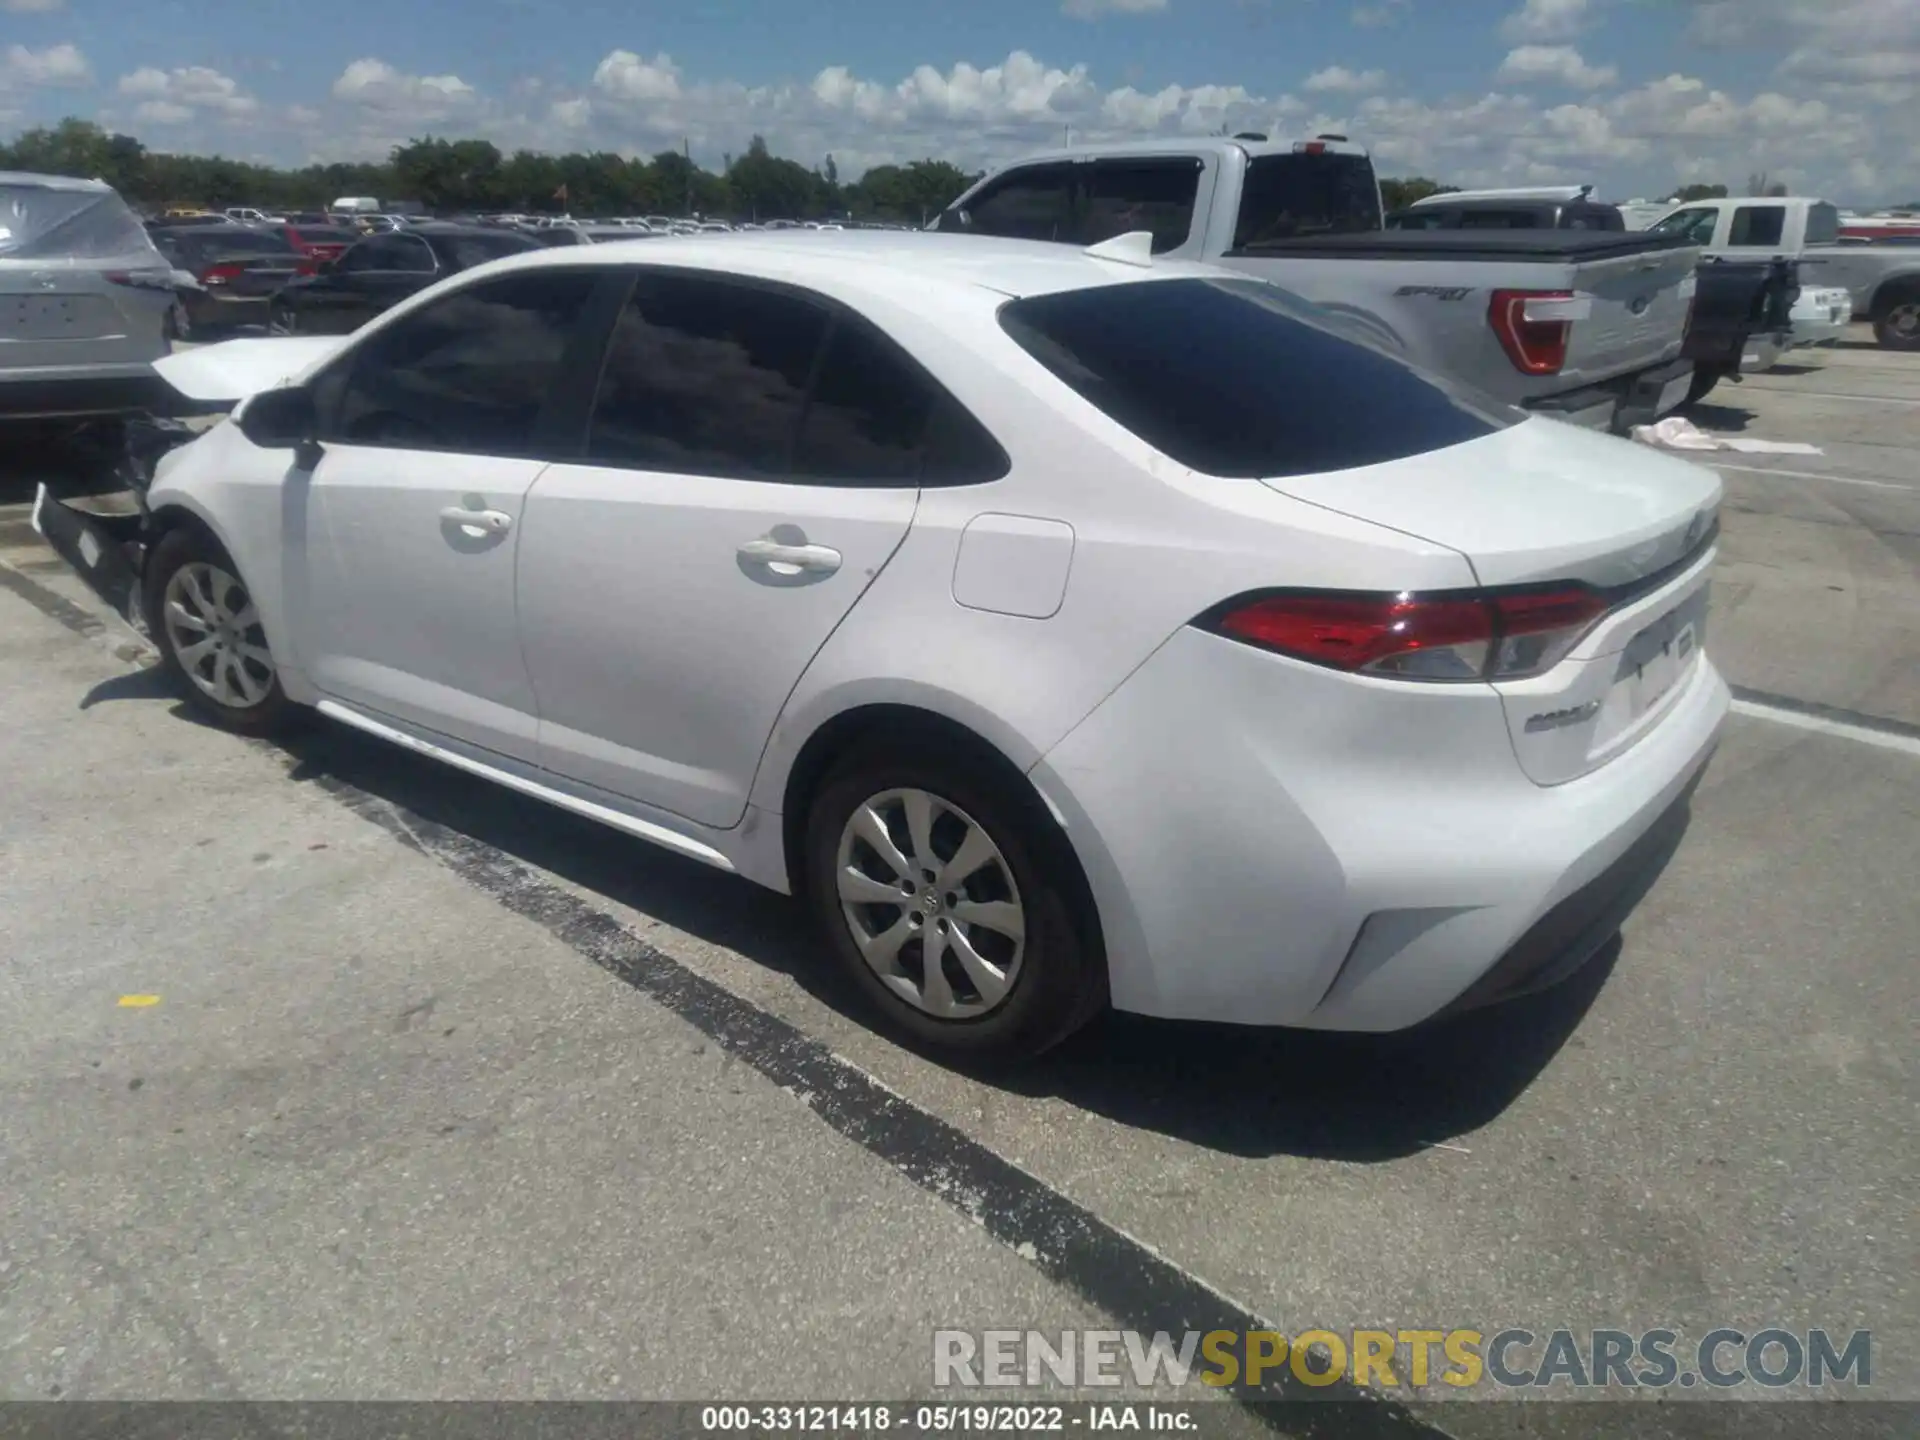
(1459, 1359)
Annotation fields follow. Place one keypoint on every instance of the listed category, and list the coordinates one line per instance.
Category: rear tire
(210, 637)
(1896, 321)
(1021, 878)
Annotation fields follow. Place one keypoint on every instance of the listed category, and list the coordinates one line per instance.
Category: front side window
(1758, 225)
(471, 372)
(1031, 203)
(1237, 378)
(705, 377)
(1128, 195)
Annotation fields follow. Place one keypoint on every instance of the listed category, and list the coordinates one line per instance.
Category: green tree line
(474, 175)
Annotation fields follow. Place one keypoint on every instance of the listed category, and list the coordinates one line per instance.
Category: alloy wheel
(931, 903)
(216, 635)
(1904, 320)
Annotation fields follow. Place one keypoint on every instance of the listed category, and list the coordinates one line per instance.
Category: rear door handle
(493, 522)
(791, 559)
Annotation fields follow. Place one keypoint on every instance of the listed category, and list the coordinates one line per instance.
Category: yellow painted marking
(138, 1002)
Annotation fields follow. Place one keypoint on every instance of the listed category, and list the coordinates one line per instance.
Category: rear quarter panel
(1153, 546)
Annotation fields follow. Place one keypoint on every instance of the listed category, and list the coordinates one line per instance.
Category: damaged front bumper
(104, 542)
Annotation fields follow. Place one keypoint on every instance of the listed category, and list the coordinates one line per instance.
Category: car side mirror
(282, 419)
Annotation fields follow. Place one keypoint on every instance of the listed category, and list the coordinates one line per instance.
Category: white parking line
(1814, 475)
(1820, 724)
(1833, 395)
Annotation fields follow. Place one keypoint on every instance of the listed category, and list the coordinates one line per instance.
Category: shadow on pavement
(1243, 1091)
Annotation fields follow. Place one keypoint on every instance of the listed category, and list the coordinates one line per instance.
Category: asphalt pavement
(443, 1093)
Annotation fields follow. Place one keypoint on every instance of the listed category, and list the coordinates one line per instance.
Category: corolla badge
(1559, 719)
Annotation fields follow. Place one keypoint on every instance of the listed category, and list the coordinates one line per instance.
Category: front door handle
(489, 522)
(791, 559)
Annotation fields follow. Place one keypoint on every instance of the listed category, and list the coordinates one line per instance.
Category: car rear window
(1238, 378)
(244, 242)
(1286, 197)
(467, 251)
(326, 234)
(1823, 224)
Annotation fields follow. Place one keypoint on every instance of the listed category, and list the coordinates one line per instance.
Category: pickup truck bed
(1586, 325)
(1468, 245)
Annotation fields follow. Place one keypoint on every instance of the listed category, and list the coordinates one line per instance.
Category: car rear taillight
(310, 265)
(1535, 327)
(1477, 635)
(221, 274)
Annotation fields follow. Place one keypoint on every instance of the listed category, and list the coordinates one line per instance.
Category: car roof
(52, 182)
(878, 261)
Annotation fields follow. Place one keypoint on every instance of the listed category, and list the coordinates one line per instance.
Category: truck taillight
(1479, 635)
(1535, 327)
(1309, 147)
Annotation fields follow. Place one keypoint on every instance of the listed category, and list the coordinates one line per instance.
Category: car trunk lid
(234, 369)
(1536, 502)
(1545, 504)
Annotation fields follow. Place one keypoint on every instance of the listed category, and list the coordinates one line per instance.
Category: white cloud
(376, 86)
(1559, 64)
(1869, 49)
(1551, 117)
(1538, 20)
(1339, 80)
(1093, 9)
(626, 76)
(55, 65)
(169, 97)
(1381, 14)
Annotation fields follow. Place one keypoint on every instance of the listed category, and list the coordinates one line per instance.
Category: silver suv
(86, 303)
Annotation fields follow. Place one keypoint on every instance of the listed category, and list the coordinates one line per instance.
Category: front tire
(210, 637)
(950, 898)
(1896, 323)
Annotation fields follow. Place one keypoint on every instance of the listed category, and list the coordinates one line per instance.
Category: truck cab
(1586, 326)
(1883, 283)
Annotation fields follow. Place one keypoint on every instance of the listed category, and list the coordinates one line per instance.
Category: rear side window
(1128, 195)
(1504, 220)
(710, 376)
(246, 242)
(1290, 197)
(1032, 203)
(705, 377)
(1823, 224)
(876, 418)
(1237, 378)
(471, 372)
(1758, 225)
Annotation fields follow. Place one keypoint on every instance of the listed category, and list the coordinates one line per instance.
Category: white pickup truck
(1882, 281)
(1583, 325)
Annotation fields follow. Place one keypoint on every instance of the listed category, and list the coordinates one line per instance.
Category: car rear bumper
(1638, 398)
(1272, 843)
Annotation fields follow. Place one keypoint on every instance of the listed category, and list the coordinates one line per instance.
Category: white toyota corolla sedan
(1069, 628)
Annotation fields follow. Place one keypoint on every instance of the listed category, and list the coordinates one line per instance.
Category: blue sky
(1636, 95)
